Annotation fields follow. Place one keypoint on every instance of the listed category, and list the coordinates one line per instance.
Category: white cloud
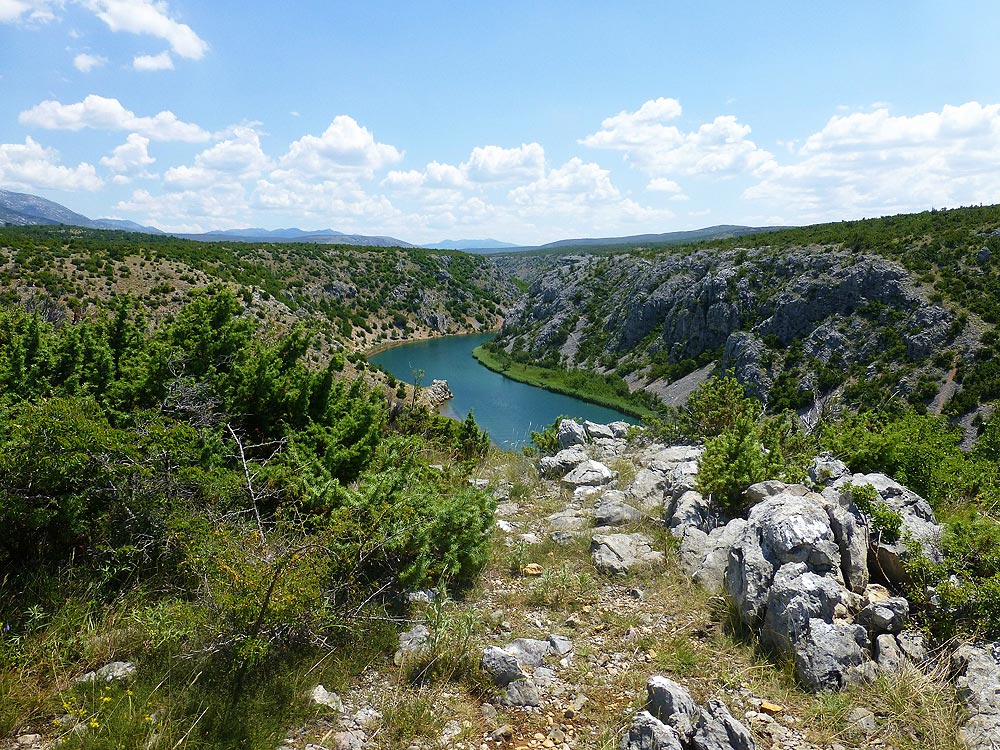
(148, 63)
(498, 164)
(37, 11)
(129, 160)
(640, 129)
(340, 202)
(109, 114)
(404, 180)
(237, 158)
(486, 167)
(345, 146)
(85, 62)
(574, 182)
(720, 147)
(30, 166)
(221, 206)
(148, 17)
(873, 163)
(152, 18)
(667, 186)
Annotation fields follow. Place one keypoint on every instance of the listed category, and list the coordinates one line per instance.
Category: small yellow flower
(105, 699)
(148, 719)
(94, 724)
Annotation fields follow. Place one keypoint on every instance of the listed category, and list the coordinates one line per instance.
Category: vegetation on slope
(585, 310)
(353, 297)
(605, 390)
(200, 498)
(959, 596)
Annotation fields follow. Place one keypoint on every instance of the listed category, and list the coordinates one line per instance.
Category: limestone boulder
(888, 616)
(590, 473)
(617, 554)
(571, 432)
(619, 429)
(718, 730)
(796, 598)
(824, 470)
(595, 430)
(671, 703)
(691, 508)
(610, 511)
(851, 533)
(648, 489)
(831, 656)
(887, 558)
(562, 462)
(704, 557)
(646, 732)
(978, 681)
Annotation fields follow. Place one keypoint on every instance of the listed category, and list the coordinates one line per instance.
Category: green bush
(717, 406)
(920, 451)
(732, 461)
(884, 520)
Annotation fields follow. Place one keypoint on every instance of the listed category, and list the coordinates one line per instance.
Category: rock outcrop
(673, 721)
(751, 305)
(978, 678)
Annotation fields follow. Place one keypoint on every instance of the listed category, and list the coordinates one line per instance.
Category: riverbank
(579, 384)
(387, 345)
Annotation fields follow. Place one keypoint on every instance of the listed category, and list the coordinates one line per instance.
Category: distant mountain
(124, 225)
(21, 209)
(719, 232)
(273, 234)
(322, 237)
(487, 244)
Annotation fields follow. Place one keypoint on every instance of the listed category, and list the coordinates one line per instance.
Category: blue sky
(523, 121)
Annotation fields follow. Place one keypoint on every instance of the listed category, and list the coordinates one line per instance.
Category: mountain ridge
(25, 209)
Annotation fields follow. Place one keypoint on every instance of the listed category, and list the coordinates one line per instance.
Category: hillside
(216, 535)
(357, 298)
(861, 309)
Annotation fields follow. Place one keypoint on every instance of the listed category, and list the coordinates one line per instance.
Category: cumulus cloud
(129, 160)
(148, 63)
(145, 17)
(875, 163)
(150, 18)
(486, 167)
(216, 207)
(37, 11)
(85, 62)
(31, 166)
(342, 202)
(345, 146)
(721, 147)
(574, 182)
(409, 179)
(233, 159)
(102, 113)
(664, 185)
(498, 164)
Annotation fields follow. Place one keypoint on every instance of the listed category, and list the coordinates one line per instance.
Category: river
(506, 409)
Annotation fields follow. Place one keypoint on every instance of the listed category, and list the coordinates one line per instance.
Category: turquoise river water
(505, 408)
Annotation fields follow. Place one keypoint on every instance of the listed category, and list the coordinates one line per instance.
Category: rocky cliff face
(802, 320)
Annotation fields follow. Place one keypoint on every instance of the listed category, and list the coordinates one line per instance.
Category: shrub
(884, 520)
(716, 406)
(731, 462)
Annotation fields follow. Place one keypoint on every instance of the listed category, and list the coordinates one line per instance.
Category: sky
(525, 122)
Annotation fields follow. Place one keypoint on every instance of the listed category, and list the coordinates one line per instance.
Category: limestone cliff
(794, 324)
